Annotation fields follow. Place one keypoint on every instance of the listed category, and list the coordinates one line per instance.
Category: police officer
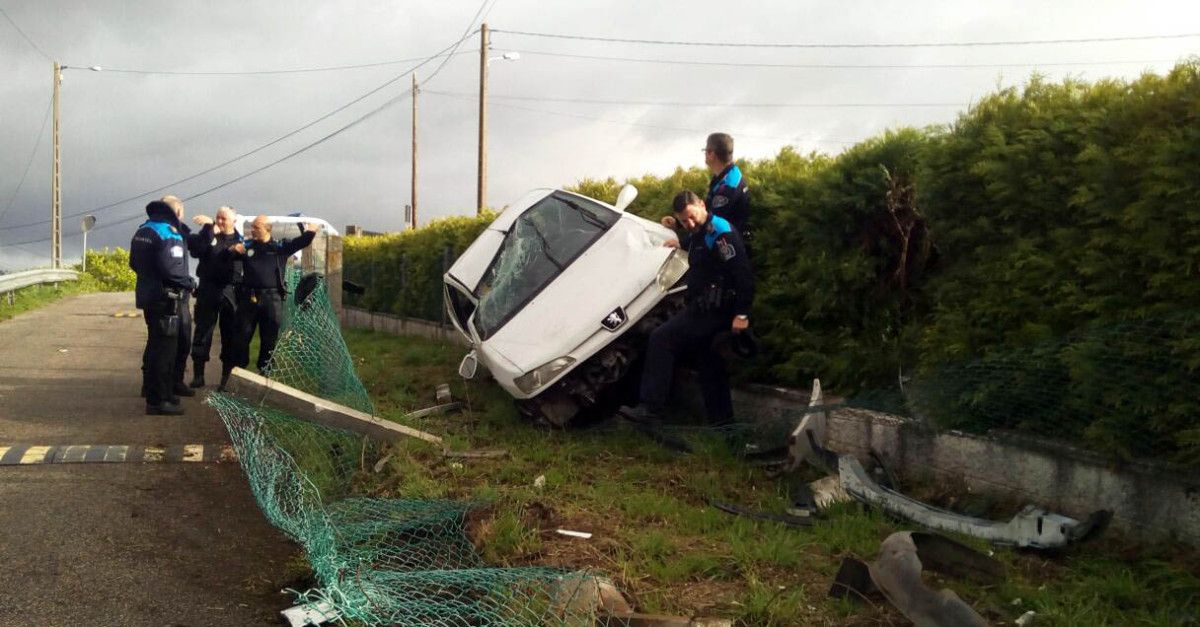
(720, 291)
(260, 298)
(220, 272)
(157, 255)
(728, 194)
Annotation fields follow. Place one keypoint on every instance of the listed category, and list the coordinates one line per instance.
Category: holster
(714, 297)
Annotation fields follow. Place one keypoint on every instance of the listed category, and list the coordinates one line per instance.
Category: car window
(542, 242)
(461, 305)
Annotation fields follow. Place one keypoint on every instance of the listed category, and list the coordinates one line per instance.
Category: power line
(838, 66)
(245, 154)
(943, 44)
(641, 124)
(24, 36)
(764, 105)
(37, 143)
(307, 147)
(331, 68)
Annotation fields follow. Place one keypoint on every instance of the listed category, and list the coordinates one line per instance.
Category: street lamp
(56, 181)
(484, 61)
(86, 225)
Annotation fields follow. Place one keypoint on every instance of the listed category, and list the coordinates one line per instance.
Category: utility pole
(56, 183)
(483, 63)
(415, 91)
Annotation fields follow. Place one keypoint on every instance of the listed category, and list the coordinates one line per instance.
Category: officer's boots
(197, 374)
(225, 372)
(166, 408)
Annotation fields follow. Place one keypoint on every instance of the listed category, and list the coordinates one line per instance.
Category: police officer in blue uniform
(728, 194)
(220, 272)
(157, 254)
(720, 291)
(260, 297)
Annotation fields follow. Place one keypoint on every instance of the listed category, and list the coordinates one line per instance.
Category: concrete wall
(355, 318)
(1149, 500)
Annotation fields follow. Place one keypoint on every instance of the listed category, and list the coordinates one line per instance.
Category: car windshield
(541, 243)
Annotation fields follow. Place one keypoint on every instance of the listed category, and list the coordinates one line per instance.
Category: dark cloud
(127, 133)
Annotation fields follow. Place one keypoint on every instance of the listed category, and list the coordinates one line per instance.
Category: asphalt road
(162, 544)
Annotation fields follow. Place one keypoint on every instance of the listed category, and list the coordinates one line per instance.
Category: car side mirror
(468, 366)
(626, 197)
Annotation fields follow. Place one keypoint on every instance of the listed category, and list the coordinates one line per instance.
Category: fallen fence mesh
(376, 561)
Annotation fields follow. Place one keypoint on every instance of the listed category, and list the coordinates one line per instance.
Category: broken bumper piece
(1032, 527)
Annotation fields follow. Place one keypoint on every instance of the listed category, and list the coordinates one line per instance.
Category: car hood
(610, 274)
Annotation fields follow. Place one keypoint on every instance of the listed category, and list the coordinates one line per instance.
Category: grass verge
(670, 552)
(32, 297)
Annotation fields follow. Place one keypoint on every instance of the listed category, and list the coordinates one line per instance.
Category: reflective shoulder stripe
(163, 230)
(733, 178)
(720, 226)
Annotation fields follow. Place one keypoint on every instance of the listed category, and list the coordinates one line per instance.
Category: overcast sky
(126, 133)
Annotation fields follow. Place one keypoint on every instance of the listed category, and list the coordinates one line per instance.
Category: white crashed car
(558, 295)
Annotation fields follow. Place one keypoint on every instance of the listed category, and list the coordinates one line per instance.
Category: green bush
(1034, 265)
(402, 272)
(110, 270)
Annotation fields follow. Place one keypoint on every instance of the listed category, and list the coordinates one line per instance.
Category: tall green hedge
(402, 272)
(1034, 265)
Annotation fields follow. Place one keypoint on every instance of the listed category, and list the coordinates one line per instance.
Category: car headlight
(539, 376)
(672, 270)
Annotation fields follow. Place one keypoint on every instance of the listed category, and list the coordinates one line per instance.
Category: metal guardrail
(12, 282)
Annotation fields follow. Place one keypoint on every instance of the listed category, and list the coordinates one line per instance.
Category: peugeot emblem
(614, 320)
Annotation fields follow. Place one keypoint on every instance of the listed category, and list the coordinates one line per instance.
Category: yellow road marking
(4, 450)
(193, 453)
(116, 453)
(34, 455)
(153, 454)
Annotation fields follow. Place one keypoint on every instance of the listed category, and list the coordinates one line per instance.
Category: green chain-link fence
(376, 561)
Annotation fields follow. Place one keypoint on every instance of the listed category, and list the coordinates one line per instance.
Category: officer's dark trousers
(215, 304)
(688, 335)
(264, 311)
(184, 343)
(162, 345)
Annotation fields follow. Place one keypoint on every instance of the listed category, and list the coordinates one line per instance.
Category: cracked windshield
(540, 244)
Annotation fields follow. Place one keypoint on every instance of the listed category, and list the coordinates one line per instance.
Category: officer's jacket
(729, 198)
(157, 255)
(219, 265)
(263, 262)
(718, 261)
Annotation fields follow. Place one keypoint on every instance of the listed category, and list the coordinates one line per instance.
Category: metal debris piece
(442, 394)
(897, 574)
(1025, 619)
(812, 429)
(482, 453)
(804, 504)
(574, 534)
(954, 559)
(828, 490)
(738, 510)
(1032, 527)
(316, 614)
(445, 408)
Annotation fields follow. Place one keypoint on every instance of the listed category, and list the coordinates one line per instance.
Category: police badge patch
(214, 242)
(725, 249)
(720, 201)
(250, 253)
